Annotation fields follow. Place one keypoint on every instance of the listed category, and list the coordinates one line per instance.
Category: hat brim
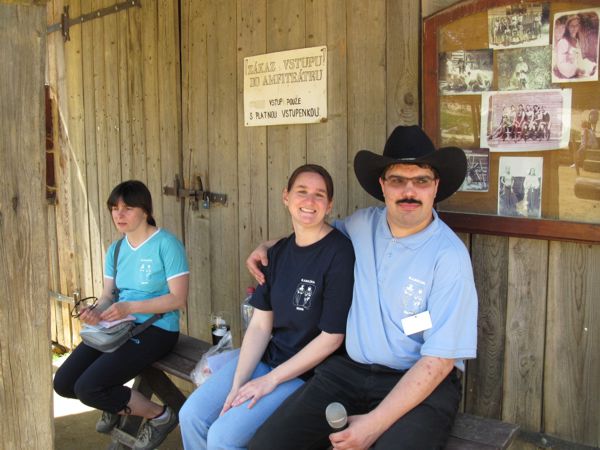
(449, 162)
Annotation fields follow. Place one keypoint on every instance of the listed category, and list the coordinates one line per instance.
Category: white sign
(286, 87)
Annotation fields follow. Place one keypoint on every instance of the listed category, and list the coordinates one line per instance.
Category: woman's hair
(313, 168)
(567, 33)
(133, 193)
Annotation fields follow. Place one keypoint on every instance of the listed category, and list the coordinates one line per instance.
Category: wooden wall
(25, 365)
(130, 107)
(116, 96)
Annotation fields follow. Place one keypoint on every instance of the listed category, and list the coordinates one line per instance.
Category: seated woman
(152, 278)
(570, 61)
(299, 319)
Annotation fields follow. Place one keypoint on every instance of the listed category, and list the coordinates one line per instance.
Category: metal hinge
(65, 298)
(196, 195)
(66, 22)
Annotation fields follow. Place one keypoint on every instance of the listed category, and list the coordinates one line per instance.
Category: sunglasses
(87, 303)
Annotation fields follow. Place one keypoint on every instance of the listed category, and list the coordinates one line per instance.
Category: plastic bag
(214, 359)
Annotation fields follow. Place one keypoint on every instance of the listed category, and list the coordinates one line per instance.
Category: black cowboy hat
(410, 145)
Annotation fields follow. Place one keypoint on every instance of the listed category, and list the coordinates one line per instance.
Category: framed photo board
(515, 84)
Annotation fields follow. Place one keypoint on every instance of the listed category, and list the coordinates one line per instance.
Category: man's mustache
(409, 200)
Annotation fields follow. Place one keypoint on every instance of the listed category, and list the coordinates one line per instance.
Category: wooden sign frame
(474, 221)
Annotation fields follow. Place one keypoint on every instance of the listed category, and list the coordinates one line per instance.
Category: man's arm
(258, 258)
(414, 387)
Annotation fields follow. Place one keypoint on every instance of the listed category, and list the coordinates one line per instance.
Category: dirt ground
(75, 426)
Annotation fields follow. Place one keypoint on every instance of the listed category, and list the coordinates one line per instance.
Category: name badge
(416, 323)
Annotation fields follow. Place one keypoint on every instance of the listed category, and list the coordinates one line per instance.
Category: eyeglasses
(88, 303)
(421, 182)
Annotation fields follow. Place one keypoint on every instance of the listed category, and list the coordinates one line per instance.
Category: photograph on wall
(459, 121)
(525, 120)
(465, 72)
(520, 186)
(575, 46)
(478, 170)
(524, 68)
(519, 25)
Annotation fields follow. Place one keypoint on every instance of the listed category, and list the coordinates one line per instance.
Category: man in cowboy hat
(413, 319)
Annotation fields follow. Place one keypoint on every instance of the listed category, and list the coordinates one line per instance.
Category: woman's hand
(90, 316)
(229, 400)
(117, 311)
(254, 390)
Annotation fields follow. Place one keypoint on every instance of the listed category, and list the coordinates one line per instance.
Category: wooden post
(25, 365)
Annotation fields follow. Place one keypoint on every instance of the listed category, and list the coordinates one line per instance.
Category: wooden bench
(469, 432)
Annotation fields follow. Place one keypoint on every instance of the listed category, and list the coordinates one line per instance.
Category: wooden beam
(25, 363)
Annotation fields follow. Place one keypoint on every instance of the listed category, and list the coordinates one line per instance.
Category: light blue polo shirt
(143, 272)
(399, 277)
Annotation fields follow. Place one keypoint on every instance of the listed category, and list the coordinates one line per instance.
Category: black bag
(110, 339)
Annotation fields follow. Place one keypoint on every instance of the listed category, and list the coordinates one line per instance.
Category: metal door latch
(196, 195)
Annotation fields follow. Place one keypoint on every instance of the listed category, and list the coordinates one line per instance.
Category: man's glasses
(88, 303)
(422, 182)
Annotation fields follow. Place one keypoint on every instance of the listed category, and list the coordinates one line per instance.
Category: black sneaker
(155, 431)
(107, 422)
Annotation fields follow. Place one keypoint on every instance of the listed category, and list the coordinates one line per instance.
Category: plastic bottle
(247, 309)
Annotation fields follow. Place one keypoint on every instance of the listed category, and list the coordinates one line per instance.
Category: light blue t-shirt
(399, 277)
(143, 272)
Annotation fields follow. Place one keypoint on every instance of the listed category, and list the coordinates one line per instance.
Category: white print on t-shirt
(413, 296)
(303, 294)
(145, 270)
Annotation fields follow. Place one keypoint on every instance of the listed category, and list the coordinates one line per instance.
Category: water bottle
(247, 309)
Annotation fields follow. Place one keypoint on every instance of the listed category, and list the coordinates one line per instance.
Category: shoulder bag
(110, 339)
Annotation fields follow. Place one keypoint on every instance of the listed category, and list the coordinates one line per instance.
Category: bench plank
(183, 358)
(474, 432)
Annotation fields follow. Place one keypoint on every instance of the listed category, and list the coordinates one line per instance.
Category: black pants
(97, 378)
(300, 422)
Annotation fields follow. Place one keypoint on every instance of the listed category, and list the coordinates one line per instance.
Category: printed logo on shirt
(303, 294)
(145, 271)
(413, 296)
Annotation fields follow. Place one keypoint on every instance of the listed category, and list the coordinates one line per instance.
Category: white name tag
(416, 323)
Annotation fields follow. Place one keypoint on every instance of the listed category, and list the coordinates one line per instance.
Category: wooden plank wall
(115, 87)
(537, 363)
(25, 364)
(372, 87)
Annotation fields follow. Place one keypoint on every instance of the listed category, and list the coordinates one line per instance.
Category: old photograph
(465, 72)
(575, 46)
(518, 25)
(524, 68)
(520, 186)
(525, 120)
(478, 166)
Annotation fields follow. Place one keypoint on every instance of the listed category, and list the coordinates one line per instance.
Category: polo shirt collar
(414, 240)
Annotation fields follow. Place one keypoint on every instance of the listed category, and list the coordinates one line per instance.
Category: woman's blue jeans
(201, 426)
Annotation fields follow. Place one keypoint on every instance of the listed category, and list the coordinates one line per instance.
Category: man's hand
(257, 259)
(360, 434)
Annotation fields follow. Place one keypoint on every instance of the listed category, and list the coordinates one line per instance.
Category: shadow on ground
(78, 431)
(75, 426)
